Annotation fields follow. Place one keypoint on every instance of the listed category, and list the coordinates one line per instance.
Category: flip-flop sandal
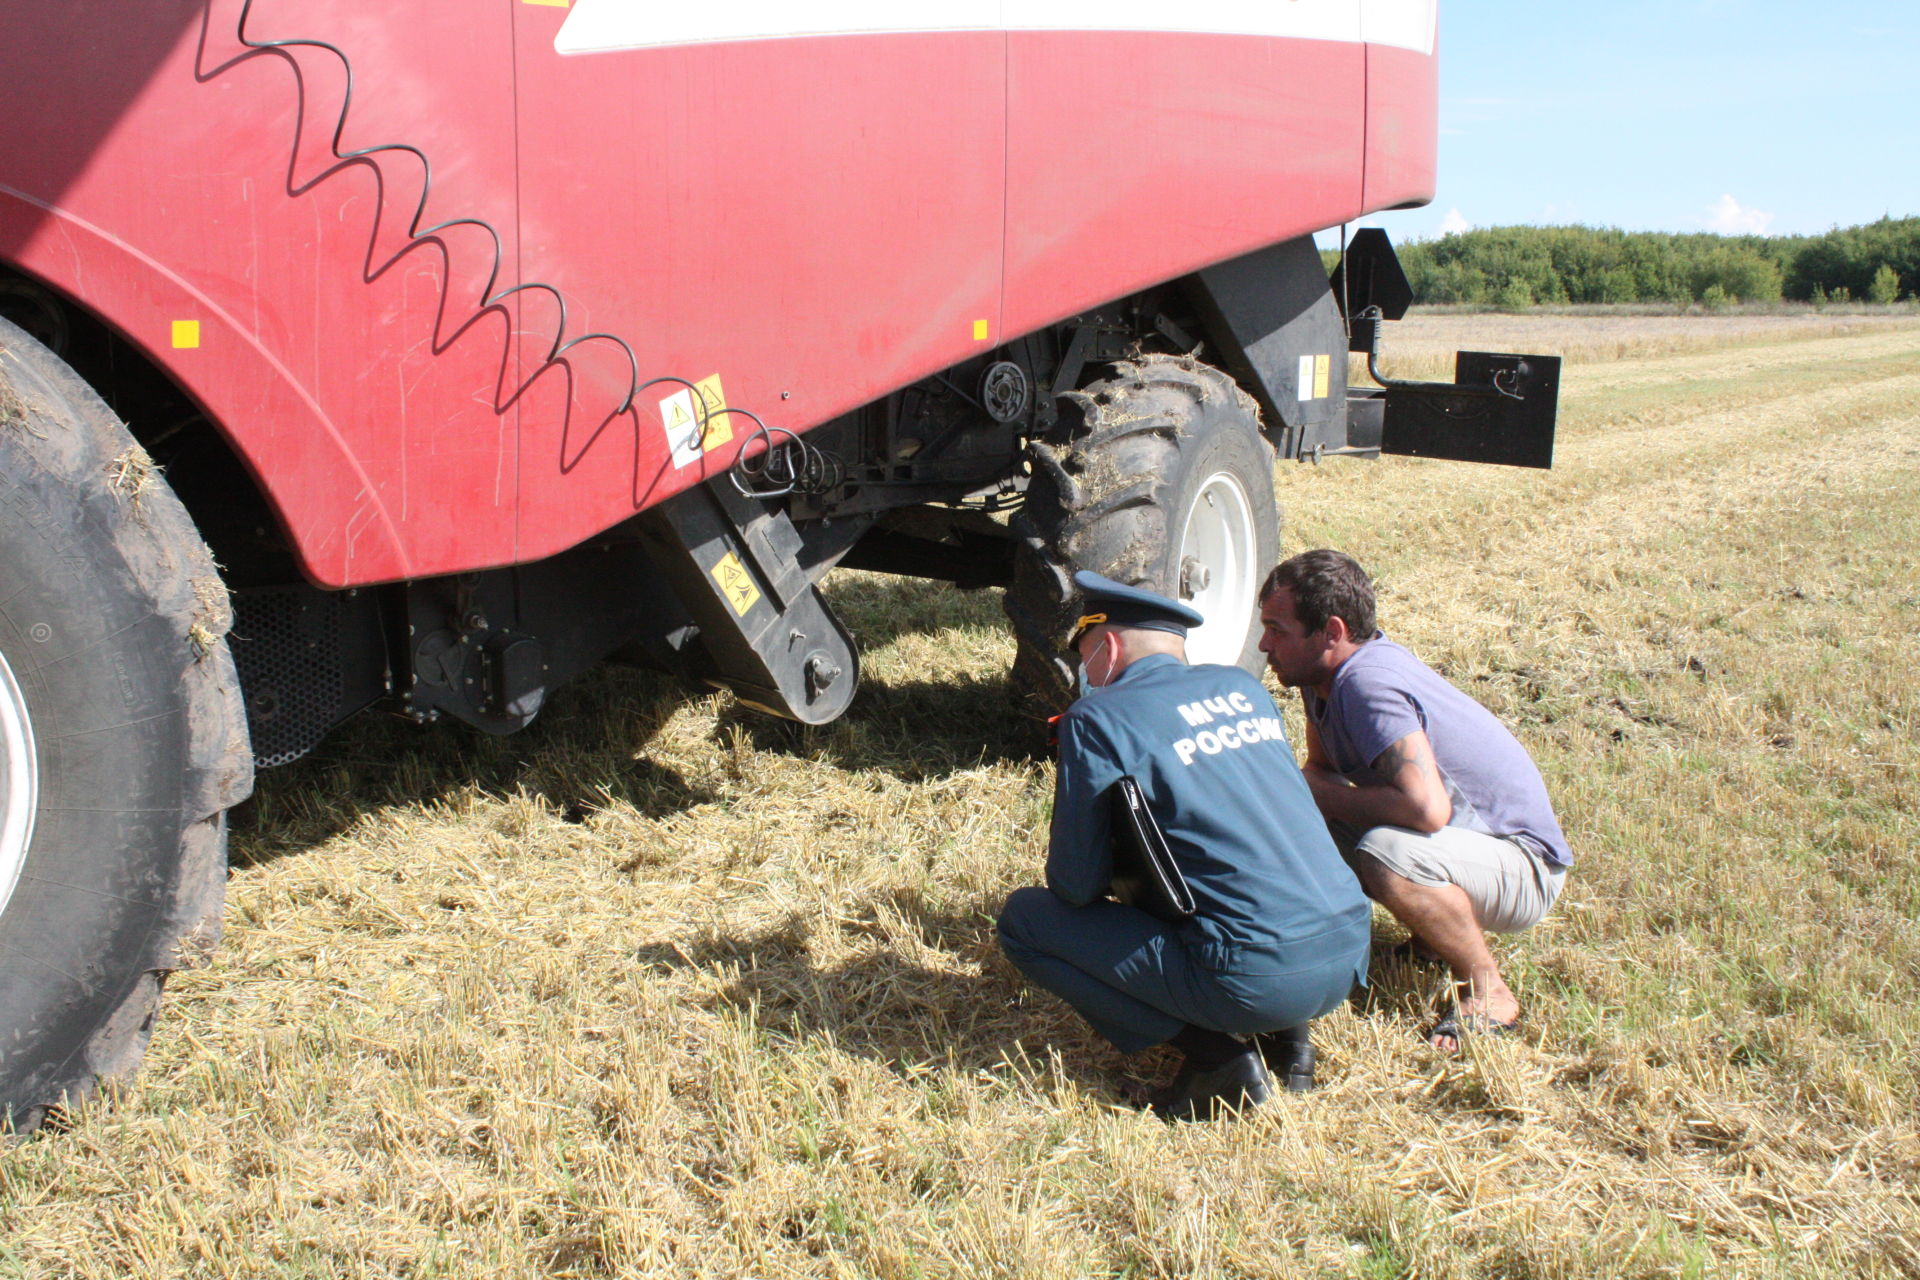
(1458, 1026)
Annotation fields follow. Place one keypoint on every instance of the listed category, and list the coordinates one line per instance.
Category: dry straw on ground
(663, 988)
(1422, 345)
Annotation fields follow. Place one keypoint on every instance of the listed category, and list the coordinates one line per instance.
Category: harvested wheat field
(661, 987)
(1422, 345)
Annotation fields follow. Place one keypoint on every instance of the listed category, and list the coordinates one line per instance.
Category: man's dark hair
(1326, 584)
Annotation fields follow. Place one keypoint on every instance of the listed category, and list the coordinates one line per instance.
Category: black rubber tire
(1143, 443)
(112, 618)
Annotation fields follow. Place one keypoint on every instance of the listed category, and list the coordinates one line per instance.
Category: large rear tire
(1165, 483)
(123, 739)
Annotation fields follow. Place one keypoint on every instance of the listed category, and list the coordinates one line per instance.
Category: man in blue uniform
(1280, 931)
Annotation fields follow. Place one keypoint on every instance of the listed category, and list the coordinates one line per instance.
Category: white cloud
(1454, 222)
(1729, 217)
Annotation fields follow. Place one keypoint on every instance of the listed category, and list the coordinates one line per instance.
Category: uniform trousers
(1132, 978)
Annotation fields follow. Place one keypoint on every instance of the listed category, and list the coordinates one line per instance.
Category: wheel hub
(19, 782)
(1217, 569)
(1194, 578)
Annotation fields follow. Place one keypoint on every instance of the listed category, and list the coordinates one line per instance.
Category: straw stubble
(661, 987)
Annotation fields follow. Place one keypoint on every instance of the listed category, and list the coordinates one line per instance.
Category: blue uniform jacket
(1206, 743)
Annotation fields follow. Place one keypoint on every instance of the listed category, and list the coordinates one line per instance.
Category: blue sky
(1693, 115)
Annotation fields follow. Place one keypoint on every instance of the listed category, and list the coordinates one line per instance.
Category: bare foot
(1490, 1008)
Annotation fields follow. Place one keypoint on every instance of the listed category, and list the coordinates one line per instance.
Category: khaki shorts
(1510, 886)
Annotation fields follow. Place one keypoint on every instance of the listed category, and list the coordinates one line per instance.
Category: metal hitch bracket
(1498, 408)
(767, 632)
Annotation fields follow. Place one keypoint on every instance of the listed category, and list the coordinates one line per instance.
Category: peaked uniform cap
(1119, 605)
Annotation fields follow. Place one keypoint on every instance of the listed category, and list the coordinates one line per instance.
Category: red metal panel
(310, 474)
(185, 197)
(815, 220)
(1137, 157)
(1402, 127)
(112, 190)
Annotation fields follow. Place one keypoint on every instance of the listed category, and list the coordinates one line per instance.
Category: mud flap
(1275, 327)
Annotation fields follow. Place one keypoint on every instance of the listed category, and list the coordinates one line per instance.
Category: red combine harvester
(432, 353)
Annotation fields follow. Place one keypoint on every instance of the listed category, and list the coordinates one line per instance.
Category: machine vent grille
(286, 643)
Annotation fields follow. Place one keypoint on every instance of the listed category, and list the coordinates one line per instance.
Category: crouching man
(1443, 815)
(1280, 931)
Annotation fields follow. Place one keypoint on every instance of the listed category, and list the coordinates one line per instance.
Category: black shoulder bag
(1144, 872)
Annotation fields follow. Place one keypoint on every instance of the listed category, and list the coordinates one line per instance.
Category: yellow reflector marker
(736, 584)
(979, 330)
(557, 4)
(186, 333)
(719, 427)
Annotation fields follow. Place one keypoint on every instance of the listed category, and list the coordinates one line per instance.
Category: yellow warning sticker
(719, 427)
(186, 334)
(979, 330)
(557, 4)
(736, 584)
(1322, 372)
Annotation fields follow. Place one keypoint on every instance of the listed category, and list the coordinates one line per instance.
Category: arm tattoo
(1388, 764)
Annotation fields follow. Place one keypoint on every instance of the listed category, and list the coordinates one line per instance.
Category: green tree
(1499, 265)
(1514, 295)
(1741, 274)
(1849, 257)
(1886, 285)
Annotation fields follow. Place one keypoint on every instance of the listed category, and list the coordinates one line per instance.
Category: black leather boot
(1289, 1054)
(1205, 1093)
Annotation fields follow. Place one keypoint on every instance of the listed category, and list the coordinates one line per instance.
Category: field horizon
(664, 987)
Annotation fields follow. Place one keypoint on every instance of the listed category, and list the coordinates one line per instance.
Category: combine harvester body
(469, 344)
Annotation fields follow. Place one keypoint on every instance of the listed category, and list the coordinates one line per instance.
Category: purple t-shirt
(1383, 693)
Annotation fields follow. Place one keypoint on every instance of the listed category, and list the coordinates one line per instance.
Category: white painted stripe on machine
(594, 26)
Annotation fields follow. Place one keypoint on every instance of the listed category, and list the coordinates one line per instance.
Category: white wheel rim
(1217, 549)
(19, 782)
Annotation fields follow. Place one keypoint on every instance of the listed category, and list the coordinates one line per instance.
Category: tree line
(1526, 266)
